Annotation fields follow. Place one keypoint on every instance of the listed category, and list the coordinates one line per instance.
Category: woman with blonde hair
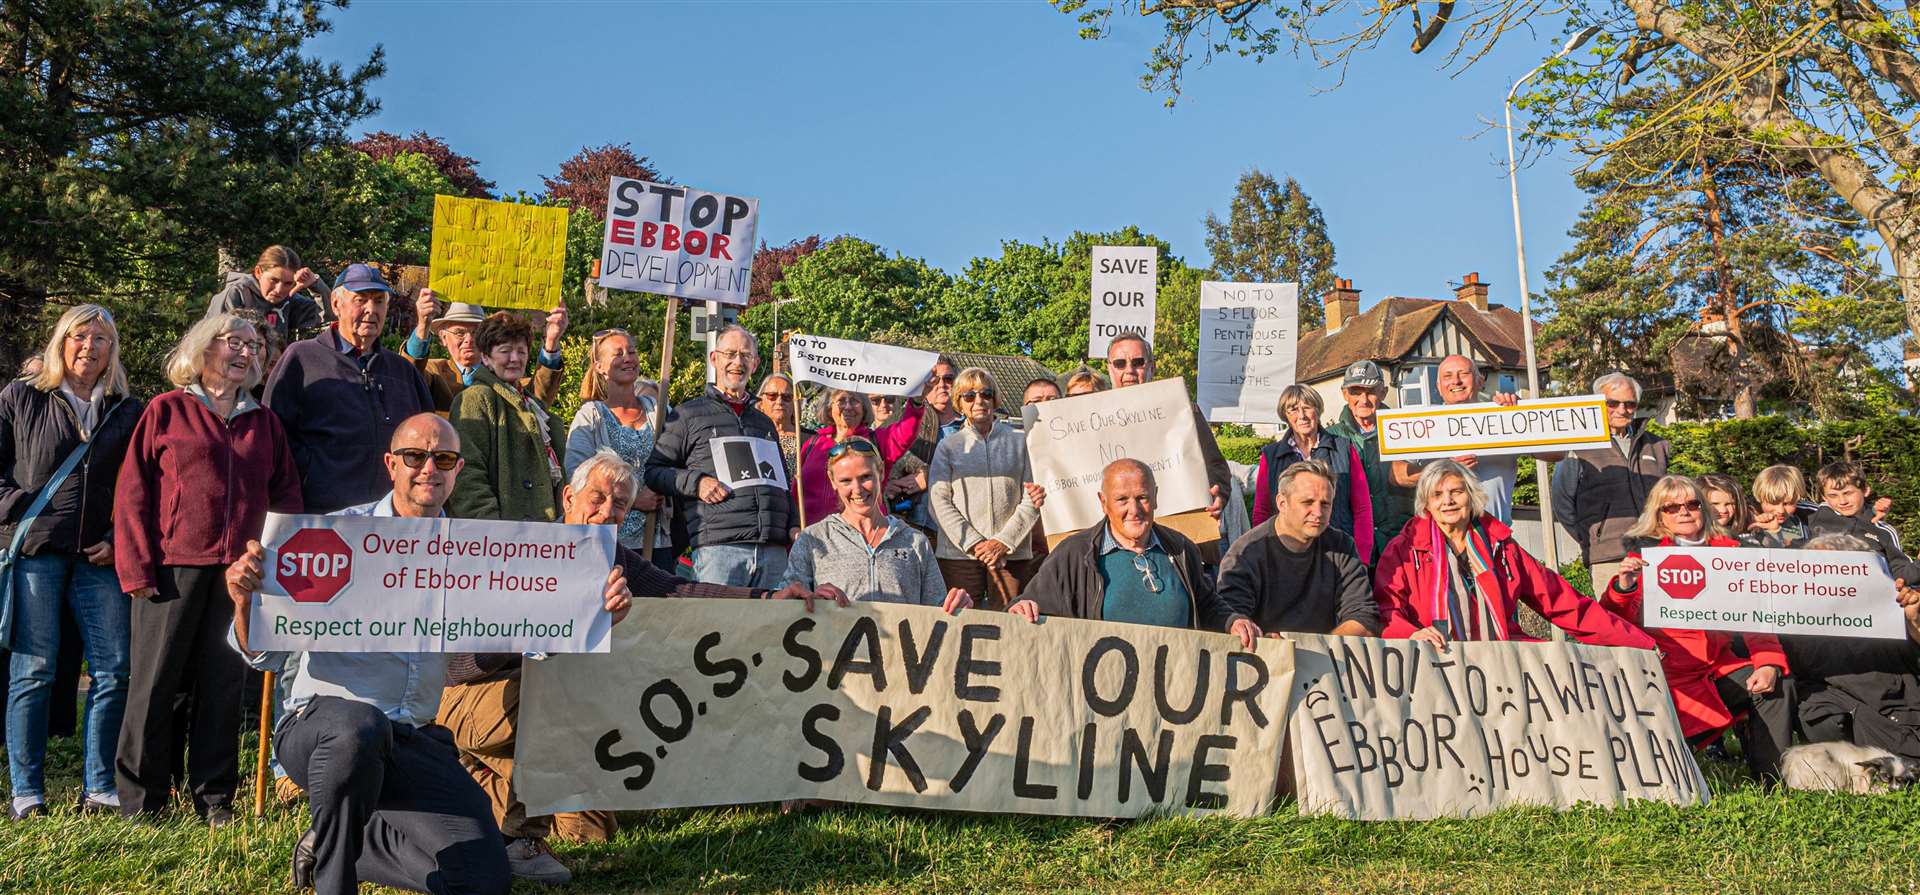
(1711, 684)
(984, 499)
(206, 464)
(843, 415)
(615, 416)
(63, 430)
(1455, 573)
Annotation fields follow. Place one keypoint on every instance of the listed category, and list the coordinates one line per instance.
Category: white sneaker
(531, 860)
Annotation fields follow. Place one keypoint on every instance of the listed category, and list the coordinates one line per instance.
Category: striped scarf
(1482, 586)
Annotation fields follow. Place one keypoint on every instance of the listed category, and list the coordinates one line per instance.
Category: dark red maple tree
(582, 180)
(458, 168)
(770, 265)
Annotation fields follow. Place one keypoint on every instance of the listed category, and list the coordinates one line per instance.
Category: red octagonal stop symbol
(313, 565)
(1681, 577)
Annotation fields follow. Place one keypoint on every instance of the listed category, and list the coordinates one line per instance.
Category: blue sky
(938, 129)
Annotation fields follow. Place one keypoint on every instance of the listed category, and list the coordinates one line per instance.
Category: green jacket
(506, 448)
(1392, 504)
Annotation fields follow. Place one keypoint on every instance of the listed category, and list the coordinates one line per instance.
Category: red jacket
(1404, 582)
(1692, 659)
(195, 488)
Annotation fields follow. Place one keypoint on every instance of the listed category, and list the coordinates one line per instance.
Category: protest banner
(678, 241)
(1125, 280)
(1840, 593)
(863, 367)
(497, 254)
(390, 584)
(1544, 424)
(1070, 441)
(720, 702)
(1248, 333)
(1394, 730)
(743, 461)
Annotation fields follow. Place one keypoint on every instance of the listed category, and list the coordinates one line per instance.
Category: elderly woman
(206, 464)
(1454, 573)
(984, 500)
(775, 398)
(63, 431)
(508, 439)
(1084, 382)
(1711, 684)
(614, 416)
(1302, 407)
(861, 551)
(845, 415)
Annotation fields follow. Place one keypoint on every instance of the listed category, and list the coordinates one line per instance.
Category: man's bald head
(1459, 379)
(420, 486)
(418, 430)
(1128, 471)
(1127, 497)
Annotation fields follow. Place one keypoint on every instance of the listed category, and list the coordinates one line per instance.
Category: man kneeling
(389, 800)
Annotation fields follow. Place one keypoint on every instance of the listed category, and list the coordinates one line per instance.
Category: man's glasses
(733, 355)
(1128, 363)
(985, 394)
(416, 458)
(244, 346)
(775, 396)
(1674, 509)
(1145, 567)
(854, 445)
(1629, 405)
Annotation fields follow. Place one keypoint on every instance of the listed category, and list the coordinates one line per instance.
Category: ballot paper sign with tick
(747, 462)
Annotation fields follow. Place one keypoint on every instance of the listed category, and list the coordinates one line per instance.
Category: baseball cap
(362, 278)
(1364, 373)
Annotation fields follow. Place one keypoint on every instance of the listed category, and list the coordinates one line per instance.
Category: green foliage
(577, 352)
(1243, 449)
(1274, 234)
(850, 289)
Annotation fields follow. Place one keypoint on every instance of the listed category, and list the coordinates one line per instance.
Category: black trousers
(390, 803)
(1768, 730)
(179, 647)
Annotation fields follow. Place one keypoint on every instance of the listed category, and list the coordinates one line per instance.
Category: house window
(1418, 384)
(1508, 385)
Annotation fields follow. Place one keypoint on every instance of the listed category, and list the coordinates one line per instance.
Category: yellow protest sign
(498, 254)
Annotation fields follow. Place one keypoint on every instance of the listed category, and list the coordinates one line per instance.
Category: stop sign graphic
(1681, 577)
(313, 565)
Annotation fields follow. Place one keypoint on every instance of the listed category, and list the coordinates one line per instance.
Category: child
(1843, 485)
(1729, 504)
(1778, 490)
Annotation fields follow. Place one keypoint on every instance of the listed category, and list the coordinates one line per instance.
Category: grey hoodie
(299, 317)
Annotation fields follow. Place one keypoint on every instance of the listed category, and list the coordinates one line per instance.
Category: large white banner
(722, 702)
(1547, 425)
(1125, 283)
(863, 367)
(1070, 441)
(390, 584)
(1393, 730)
(676, 240)
(1830, 592)
(1248, 333)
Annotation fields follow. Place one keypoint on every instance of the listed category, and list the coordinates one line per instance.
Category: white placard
(1839, 593)
(676, 240)
(1070, 441)
(1248, 333)
(863, 367)
(742, 461)
(1394, 730)
(1547, 425)
(1125, 279)
(389, 584)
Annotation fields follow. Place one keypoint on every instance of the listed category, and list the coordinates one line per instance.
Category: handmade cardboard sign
(498, 254)
(1546, 424)
(741, 461)
(863, 367)
(1247, 338)
(373, 584)
(676, 240)
(1125, 279)
(1393, 730)
(1070, 441)
(721, 702)
(1831, 592)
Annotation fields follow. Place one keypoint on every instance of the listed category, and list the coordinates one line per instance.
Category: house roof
(1390, 330)
(1010, 372)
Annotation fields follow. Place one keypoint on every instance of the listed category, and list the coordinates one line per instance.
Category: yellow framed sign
(1547, 425)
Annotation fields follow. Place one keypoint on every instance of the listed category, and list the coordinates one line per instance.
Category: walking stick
(660, 413)
(266, 745)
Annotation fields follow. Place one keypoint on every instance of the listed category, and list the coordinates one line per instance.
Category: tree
(770, 265)
(1274, 234)
(582, 180)
(458, 169)
(139, 136)
(850, 289)
(1830, 83)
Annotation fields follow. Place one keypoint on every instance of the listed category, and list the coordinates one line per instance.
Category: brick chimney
(1472, 291)
(1342, 304)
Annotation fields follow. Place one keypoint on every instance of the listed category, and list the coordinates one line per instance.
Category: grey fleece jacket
(977, 492)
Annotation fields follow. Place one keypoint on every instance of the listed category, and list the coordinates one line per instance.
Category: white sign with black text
(1838, 593)
(864, 367)
(1124, 282)
(742, 461)
(1070, 441)
(1248, 333)
(676, 240)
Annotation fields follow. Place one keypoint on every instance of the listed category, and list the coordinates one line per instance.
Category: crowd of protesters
(141, 520)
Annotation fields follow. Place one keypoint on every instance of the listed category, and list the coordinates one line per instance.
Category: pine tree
(1274, 234)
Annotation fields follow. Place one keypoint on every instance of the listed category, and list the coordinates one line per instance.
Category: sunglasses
(985, 394)
(947, 378)
(775, 396)
(1128, 363)
(416, 458)
(1690, 506)
(1630, 405)
(854, 445)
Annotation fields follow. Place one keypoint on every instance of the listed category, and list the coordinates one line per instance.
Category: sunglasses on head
(985, 394)
(1128, 363)
(1690, 506)
(416, 458)
(854, 445)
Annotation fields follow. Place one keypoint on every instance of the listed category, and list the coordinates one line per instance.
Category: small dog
(1845, 767)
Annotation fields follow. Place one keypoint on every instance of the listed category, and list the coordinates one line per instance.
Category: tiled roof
(1010, 372)
(1386, 332)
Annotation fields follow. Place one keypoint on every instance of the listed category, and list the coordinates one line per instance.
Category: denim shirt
(403, 686)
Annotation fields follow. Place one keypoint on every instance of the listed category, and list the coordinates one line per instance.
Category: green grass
(1746, 841)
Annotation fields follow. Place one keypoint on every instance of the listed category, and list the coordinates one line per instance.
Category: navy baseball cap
(362, 278)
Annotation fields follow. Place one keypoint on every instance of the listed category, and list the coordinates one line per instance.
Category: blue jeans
(43, 586)
(741, 565)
